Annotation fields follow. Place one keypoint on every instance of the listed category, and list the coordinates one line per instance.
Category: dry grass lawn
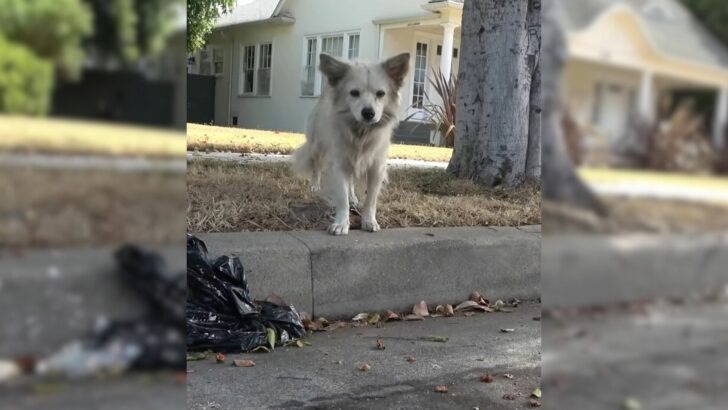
(64, 136)
(59, 208)
(209, 138)
(637, 215)
(226, 197)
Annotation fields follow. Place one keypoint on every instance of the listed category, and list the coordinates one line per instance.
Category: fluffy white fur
(349, 133)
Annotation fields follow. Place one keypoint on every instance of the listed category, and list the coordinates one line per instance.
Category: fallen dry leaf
(243, 363)
(389, 315)
(441, 388)
(487, 378)
(374, 319)
(336, 325)
(536, 393)
(507, 375)
(380, 344)
(534, 403)
(504, 330)
(449, 310)
(364, 367)
(413, 317)
(440, 309)
(360, 317)
(220, 358)
(470, 305)
(509, 396)
(410, 359)
(478, 298)
(420, 309)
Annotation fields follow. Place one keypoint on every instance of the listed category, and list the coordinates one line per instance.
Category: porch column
(645, 101)
(720, 118)
(448, 39)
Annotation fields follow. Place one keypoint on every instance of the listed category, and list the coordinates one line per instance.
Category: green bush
(26, 81)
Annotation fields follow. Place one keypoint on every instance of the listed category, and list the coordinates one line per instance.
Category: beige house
(624, 54)
(627, 55)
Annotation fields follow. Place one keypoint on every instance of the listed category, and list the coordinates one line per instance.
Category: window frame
(256, 67)
(318, 77)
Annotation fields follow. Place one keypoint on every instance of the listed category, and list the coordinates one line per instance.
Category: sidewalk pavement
(326, 374)
(672, 357)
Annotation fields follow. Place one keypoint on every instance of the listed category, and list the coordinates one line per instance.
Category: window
(205, 68)
(420, 75)
(210, 60)
(218, 58)
(344, 45)
(454, 51)
(256, 69)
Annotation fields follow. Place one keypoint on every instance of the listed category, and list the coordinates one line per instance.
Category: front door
(613, 110)
(420, 82)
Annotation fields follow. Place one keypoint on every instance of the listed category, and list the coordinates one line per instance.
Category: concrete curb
(49, 297)
(341, 276)
(580, 270)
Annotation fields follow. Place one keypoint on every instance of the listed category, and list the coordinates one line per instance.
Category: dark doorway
(200, 99)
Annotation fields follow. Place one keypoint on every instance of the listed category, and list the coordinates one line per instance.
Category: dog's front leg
(341, 201)
(375, 177)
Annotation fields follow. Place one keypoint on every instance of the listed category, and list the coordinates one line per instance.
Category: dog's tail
(302, 160)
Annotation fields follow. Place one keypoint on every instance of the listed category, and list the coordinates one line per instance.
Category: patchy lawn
(637, 215)
(610, 175)
(64, 136)
(210, 138)
(226, 197)
(58, 208)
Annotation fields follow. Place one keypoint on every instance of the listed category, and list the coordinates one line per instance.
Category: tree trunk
(559, 179)
(491, 142)
(533, 155)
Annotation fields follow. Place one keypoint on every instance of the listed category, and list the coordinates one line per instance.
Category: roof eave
(272, 20)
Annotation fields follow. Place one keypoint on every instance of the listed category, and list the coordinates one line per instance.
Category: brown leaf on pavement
(469, 305)
(380, 344)
(441, 388)
(479, 299)
(410, 359)
(220, 358)
(509, 396)
(420, 309)
(364, 367)
(243, 363)
(487, 378)
(534, 403)
(389, 315)
(449, 310)
(414, 317)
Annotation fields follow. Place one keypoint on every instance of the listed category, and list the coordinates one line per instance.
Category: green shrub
(26, 81)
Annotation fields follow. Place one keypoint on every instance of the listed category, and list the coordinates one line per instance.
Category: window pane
(353, 46)
(333, 45)
(248, 69)
(218, 57)
(420, 75)
(309, 70)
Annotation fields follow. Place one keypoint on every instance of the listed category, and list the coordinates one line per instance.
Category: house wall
(286, 109)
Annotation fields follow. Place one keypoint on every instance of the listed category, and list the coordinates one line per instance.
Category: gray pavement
(92, 162)
(325, 375)
(669, 357)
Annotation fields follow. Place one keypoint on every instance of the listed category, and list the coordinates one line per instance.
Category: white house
(624, 56)
(264, 54)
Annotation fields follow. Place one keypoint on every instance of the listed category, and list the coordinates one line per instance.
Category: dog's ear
(397, 67)
(333, 68)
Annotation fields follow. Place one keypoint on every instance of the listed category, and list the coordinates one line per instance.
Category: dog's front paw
(339, 229)
(370, 225)
(316, 188)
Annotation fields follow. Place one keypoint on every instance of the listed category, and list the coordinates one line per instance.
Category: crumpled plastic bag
(221, 315)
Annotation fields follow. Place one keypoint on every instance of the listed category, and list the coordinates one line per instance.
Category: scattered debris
(364, 367)
(410, 359)
(220, 358)
(380, 344)
(537, 318)
(504, 330)
(243, 363)
(534, 403)
(536, 393)
(389, 315)
(478, 298)
(631, 404)
(414, 317)
(508, 375)
(374, 319)
(441, 388)
(438, 339)
(509, 396)
(469, 305)
(487, 378)
(361, 317)
(420, 309)
(193, 356)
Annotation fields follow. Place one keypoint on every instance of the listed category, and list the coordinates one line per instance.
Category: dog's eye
(354, 93)
(381, 94)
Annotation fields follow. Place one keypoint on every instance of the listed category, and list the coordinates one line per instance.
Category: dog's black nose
(367, 114)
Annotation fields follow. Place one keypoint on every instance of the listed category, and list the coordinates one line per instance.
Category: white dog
(350, 129)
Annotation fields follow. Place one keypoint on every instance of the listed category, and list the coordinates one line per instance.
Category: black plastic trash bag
(221, 315)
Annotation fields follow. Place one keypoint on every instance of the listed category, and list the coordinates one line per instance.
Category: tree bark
(533, 155)
(560, 181)
(491, 143)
